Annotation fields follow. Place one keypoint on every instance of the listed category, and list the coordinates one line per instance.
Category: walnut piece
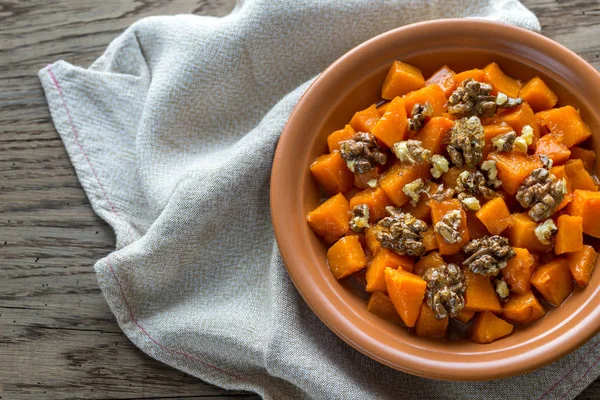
(360, 218)
(442, 193)
(505, 142)
(418, 116)
(471, 203)
(542, 192)
(466, 142)
(474, 98)
(502, 289)
(488, 255)
(545, 231)
(445, 290)
(439, 165)
(401, 232)
(414, 190)
(473, 184)
(411, 152)
(546, 161)
(448, 227)
(362, 152)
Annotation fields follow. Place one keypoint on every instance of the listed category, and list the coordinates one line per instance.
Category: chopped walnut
(414, 190)
(439, 165)
(505, 142)
(445, 290)
(411, 151)
(488, 255)
(360, 218)
(542, 192)
(469, 184)
(466, 142)
(442, 194)
(474, 98)
(448, 227)
(401, 232)
(362, 152)
(418, 116)
(546, 161)
(545, 231)
(489, 166)
(502, 289)
(471, 203)
(372, 183)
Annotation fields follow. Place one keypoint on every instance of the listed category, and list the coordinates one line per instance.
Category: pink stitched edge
(113, 208)
(582, 376)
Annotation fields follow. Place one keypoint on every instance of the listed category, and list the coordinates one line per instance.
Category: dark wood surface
(58, 338)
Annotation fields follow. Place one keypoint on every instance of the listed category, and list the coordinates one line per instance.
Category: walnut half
(466, 142)
(445, 290)
(401, 232)
(542, 192)
(488, 255)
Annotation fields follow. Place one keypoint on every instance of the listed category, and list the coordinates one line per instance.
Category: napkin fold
(172, 133)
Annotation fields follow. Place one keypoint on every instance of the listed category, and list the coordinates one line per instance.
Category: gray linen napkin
(172, 133)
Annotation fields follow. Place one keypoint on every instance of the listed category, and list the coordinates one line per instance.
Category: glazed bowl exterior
(352, 83)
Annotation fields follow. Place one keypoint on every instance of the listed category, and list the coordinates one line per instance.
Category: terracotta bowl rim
(533, 357)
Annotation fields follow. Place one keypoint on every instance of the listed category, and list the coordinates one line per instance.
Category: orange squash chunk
(500, 81)
(428, 326)
(444, 78)
(406, 291)
(480, 294)
(438, 210)
(381, 305)
(566, 123)
(371, 241)
(578, 176)
(518, 117)
(401, 79)
(522, 234)
(450, 177)
(392, 126)
(476, 228)
(554, 281)
(588, 157)
(586, 204)
(518, 271)
(375, 199)
(331, 219)
(432, 94)
(365, 120)
(495, 216)
(333, 140)
(570, 234)
(331, 173)
(431, 260)
(538, 95)
(346, 257)
(582, 264)
(487, 328)
(554, 148)
(399, 175)
(465, 316)
(513, 168)
(429, 241)
(560, 173)
(385, 258)
(361, 181)
(523, 309)
(476, 74)
(433, 134)
(490, 132)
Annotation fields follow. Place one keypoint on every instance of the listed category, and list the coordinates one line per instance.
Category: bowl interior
(353, 83)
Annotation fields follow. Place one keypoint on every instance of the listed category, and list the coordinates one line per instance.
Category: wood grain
(58, 338)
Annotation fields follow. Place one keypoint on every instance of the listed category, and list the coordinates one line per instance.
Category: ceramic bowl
(352, 83)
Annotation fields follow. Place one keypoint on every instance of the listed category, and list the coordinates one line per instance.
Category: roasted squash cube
(487, 328)
(565, 123)
(331, 173)
(582, 264)
(586, 204)
(346, 257)
(570, 234)
(331, 219)
(518, 271)
(401, 79)
(444, 78)
(554, 281)
(428, 326)
(495, 216)
(334, 139)
(500, 81)
(385, 258)
(523, 309)
(538, 95)
(406, 291)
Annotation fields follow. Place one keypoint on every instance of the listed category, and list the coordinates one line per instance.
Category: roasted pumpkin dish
(463, 205)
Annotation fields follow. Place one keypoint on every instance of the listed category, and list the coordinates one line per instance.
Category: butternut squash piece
(438, 211)
(480, 294)
(518, 271)
(476, 228)
(565, 123)
(385, 258)
(333, 140)
(582, 264)
(392, 126)
(588, 157)
(444, 78)
(554, 148)
(406, 291)
(554, 281)
(361, 181)
(522, 309)
(538, 95)
(495, 216)
(429, 241)
(490, 132)
(522, 234)
(579, 178)
(346, 257)
(434, 133)
(432, 94)
(518, 117)
(331, 173)
(422, 210)
(450, 177)
(365, 120)
(381, 305)
(500, 81)
(560, 173)
(570, 234)
(375, 199)
(465, 316)
(476, 74)
(331, 219)
(401, 79)
(399, 175)
(431, 260)
(428, 326)
(371, 241)
(487, 328)
(513, 168)
(586, 204)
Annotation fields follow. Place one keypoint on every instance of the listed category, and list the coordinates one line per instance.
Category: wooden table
(58, 338)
